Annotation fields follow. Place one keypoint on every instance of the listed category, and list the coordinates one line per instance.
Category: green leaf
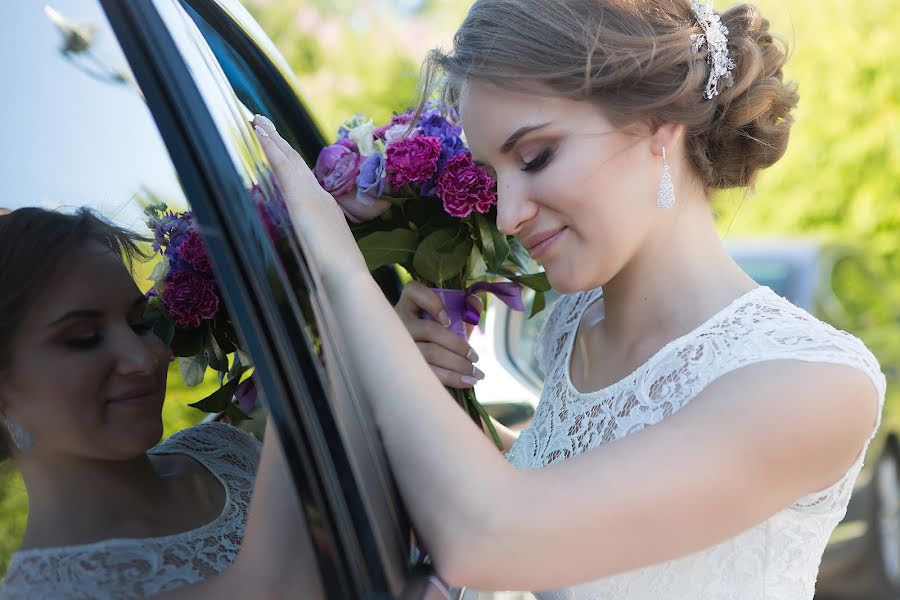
(537, 281)
(494, 246)
(219, 400)
(187, 341)
(164, 329)
(193, 368)
(442, 255)
(388, 247)
(538, 304)
(518, 255)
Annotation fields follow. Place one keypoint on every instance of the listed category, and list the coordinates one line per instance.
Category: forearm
(277, 548)
(507, 436)
(449, 472)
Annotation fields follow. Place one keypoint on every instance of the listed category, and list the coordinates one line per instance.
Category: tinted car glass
(89, 138)
(286, 326)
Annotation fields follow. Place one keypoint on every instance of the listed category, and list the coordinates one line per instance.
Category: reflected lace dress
(776, 560)
(137, 568)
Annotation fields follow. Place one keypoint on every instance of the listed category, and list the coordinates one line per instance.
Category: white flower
(396, 133)
(362, 134)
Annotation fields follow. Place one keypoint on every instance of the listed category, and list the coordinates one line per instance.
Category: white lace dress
(776, 560)
(136, 568)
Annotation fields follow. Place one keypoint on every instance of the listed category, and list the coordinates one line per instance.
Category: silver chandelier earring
(21, 438)
(665, 195)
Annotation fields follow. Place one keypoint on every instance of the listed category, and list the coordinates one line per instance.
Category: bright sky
(70, 139)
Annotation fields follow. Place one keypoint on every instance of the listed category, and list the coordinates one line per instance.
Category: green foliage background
(839, 181)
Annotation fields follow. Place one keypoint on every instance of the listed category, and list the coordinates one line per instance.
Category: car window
(85, 137)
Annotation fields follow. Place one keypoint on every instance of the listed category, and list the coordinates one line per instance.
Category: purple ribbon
(462, 313)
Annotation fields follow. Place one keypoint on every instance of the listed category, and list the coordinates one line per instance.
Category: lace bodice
(136, 568)
(776, 560)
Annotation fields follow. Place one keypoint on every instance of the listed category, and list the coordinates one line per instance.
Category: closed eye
(145, 326)
(540, 161)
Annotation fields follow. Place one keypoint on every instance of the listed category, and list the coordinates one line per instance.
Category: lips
(539, 243)
(136, 396)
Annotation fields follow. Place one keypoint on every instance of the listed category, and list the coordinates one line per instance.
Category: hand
(449, 356)
(316, 217)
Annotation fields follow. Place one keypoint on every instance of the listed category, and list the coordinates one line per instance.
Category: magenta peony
(336, 169)
(412, 160)
(465, 187)
(189, 298)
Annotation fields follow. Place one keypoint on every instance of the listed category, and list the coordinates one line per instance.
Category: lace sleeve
(222, 441)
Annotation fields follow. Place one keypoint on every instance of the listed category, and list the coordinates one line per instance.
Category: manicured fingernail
(472, 355)
(265, 121)
(260, 131)
(469, 380)
(478, 373)
(444, 318)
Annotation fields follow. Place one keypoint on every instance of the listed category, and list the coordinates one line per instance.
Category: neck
(675, 282)
(104, 494)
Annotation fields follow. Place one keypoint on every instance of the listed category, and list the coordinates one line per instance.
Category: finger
(416, 297)
(475, 302)
(454, 380)
(286, 148)
(431, 332)
(438, 356)
(280, 163)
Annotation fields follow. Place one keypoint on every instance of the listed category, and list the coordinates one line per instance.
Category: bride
(698, 436)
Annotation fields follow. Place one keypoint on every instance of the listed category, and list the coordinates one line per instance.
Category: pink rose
(336, 169)
(412, 160)
(465, 187)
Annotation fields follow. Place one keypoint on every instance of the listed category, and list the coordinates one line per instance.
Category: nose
(514, 206)
(138, 354)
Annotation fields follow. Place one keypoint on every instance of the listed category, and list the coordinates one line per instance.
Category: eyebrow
(92, 313)
(519, 134)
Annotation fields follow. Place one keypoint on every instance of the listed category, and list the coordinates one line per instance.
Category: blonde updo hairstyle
(634, 60)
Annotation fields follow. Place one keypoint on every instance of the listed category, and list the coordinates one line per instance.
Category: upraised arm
(745, 448)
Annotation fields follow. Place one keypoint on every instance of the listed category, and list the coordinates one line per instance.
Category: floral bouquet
(415, 197)
(185, 304)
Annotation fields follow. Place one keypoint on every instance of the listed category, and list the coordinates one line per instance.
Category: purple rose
(464, 187)
(370, 181)
(412, 160)
(193, 251)
(359, 208)
(189, 298)
(348, 143)
(336, 169)
(403, 118)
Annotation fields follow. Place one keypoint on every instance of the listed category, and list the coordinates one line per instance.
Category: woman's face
(88, 375)
(577, 192)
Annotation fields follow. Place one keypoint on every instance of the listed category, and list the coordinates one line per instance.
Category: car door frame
(246, 273)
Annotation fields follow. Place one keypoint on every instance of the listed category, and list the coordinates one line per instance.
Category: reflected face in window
(87, 375)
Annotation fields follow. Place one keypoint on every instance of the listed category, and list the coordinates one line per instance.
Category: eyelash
(540, 162)
(141, 328)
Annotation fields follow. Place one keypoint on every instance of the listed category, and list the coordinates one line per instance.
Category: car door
(361, 535)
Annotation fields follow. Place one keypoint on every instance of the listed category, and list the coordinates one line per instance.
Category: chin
(569, 279)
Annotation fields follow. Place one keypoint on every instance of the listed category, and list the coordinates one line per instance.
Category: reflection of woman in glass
(82, 380)
(698, 436)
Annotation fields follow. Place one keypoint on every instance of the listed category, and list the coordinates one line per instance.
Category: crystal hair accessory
(715, 38)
